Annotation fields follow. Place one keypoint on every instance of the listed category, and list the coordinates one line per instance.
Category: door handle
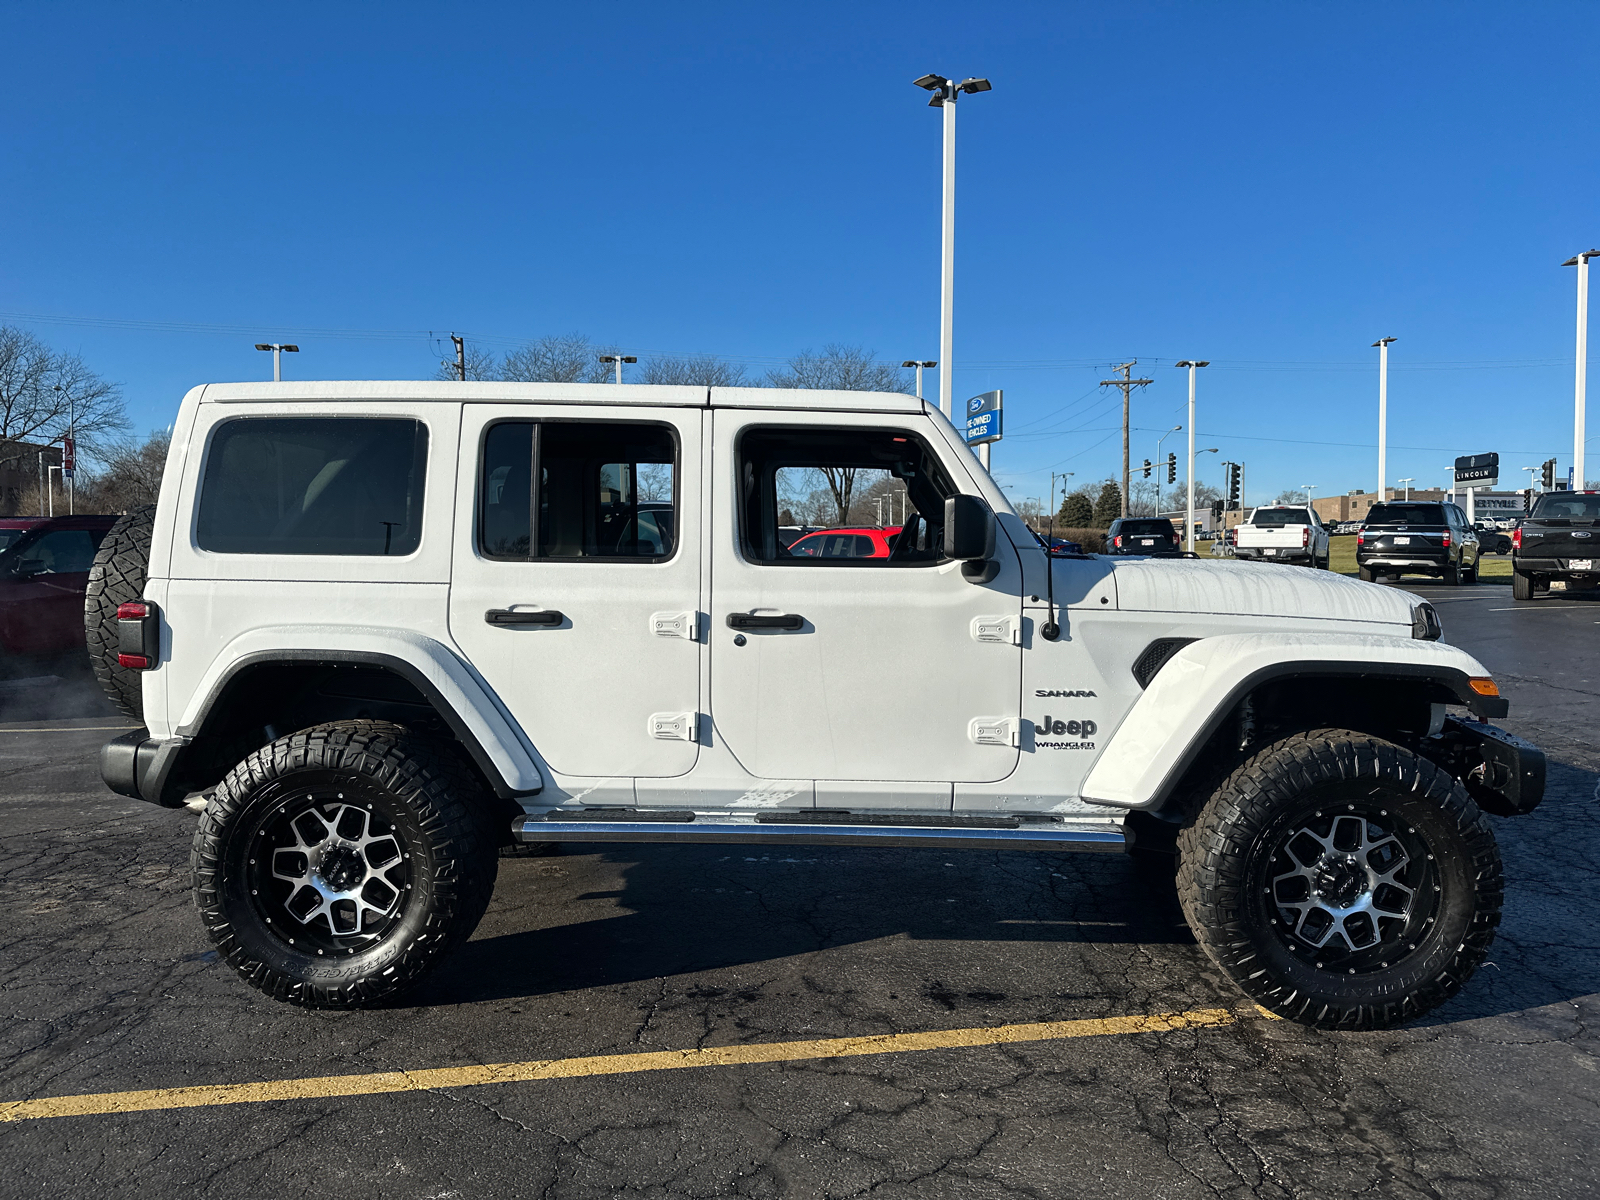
(752, 621)
(515, 616)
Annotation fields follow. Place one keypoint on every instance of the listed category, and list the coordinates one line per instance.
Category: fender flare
(460, 696)
(1195, 690)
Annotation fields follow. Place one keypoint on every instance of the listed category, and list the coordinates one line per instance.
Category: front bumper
(141, 767)
(1503, 773)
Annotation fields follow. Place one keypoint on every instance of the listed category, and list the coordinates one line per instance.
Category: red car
(862, 542)
(44, 570)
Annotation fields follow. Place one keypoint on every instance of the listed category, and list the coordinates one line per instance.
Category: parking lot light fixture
(945, 92)
(919, 364)
(1408, 482)
(1580, 385)
(278, 349)
(1382, 346)
(619, 359)
(1192, 365)
(1308, 488)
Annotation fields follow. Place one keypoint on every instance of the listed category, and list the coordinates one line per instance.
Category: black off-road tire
(1326, 783)
(117, 577)
(1521, 586)
(426, 823)
(1366, 574)
(1451, 575)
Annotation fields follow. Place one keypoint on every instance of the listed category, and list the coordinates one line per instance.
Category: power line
(1127, 383)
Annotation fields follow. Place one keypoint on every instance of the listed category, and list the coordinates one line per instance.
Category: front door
(885, 674)
(577, 597)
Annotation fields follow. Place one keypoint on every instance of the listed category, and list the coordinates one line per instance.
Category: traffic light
(1233, 484)
(1172, 468)
(1147, 468)
(1550, 475)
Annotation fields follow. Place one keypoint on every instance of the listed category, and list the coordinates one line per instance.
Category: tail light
(1446, 542)
(1117, 541)
(1361, 538)
(138, 635)
(1516, 538)
(1305, 535)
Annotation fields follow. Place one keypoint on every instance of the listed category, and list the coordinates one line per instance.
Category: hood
(1254, 589)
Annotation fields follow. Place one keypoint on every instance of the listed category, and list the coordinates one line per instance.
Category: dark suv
(1413, 537)
(1143, 535)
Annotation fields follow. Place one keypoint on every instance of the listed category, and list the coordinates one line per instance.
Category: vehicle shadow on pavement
(703, 908)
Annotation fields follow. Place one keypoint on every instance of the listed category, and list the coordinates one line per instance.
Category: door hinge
(1003, 631)
(674, 727)
(675, 624)
(995, 731)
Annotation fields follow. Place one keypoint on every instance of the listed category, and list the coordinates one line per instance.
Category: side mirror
(969, 528)
(27, 568)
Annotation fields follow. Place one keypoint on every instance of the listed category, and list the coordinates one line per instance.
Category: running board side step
(853, 829)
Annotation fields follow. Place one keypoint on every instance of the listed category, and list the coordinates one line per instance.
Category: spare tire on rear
(118, 576)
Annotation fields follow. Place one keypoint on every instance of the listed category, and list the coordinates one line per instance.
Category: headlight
(1425, 623)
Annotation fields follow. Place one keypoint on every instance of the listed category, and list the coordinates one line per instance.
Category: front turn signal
(1484, 687)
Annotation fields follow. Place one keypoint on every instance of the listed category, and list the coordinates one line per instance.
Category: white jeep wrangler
(383, 628)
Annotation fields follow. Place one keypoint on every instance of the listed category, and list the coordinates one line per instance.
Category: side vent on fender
(1155, 657)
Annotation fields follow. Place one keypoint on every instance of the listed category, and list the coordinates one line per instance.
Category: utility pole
(1382, 346)
(461, 357)
(1581, 261)
(1127, 384)
(911, 362)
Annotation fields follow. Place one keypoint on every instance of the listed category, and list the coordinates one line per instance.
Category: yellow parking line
(325, 1086)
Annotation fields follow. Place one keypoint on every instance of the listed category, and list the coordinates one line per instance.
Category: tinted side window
(314, 485)
(605, 490)
(61, 552)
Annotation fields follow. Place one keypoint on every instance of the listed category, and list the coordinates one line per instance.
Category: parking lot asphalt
(641, 992)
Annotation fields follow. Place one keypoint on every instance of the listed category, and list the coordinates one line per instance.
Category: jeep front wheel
(1342, 881)
(337, 865)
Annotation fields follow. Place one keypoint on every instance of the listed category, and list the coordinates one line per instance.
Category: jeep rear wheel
(1342, 881)
(336, 866)
(117, 577)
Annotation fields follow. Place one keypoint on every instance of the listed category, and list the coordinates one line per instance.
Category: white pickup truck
(1283, 533)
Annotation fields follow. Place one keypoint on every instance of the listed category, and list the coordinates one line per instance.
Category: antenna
(1050, 630)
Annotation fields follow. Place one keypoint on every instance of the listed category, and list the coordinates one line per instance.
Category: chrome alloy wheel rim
(328, 873)
(1352, 888)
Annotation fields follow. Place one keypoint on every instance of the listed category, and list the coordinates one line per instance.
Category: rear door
(579, 600)
(41, 596)
(883, 679)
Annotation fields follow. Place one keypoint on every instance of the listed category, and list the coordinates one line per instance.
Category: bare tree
(130, 477)
(840, 368)
(695, 370)
(653, 482)
(566, 358)
(40, 387)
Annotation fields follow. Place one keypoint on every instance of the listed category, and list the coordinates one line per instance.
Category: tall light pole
(1193, 366)
(927, 362)
(619, 359)
(1581, 261)
(1408, 482)
(277, 348)
(1308, 488)
(1532, 471)
(1155, 510)
(1382, 345)
(945, 91)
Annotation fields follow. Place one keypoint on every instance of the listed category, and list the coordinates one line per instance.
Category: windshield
(1280, 516)
(1574, 506)
(1135, 528)
(1407, 514)
(8, 538)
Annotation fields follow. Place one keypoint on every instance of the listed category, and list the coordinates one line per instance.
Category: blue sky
(1271, 187)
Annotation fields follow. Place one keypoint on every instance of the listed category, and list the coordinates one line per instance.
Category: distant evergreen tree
(1077, 512)
(1109, 507)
